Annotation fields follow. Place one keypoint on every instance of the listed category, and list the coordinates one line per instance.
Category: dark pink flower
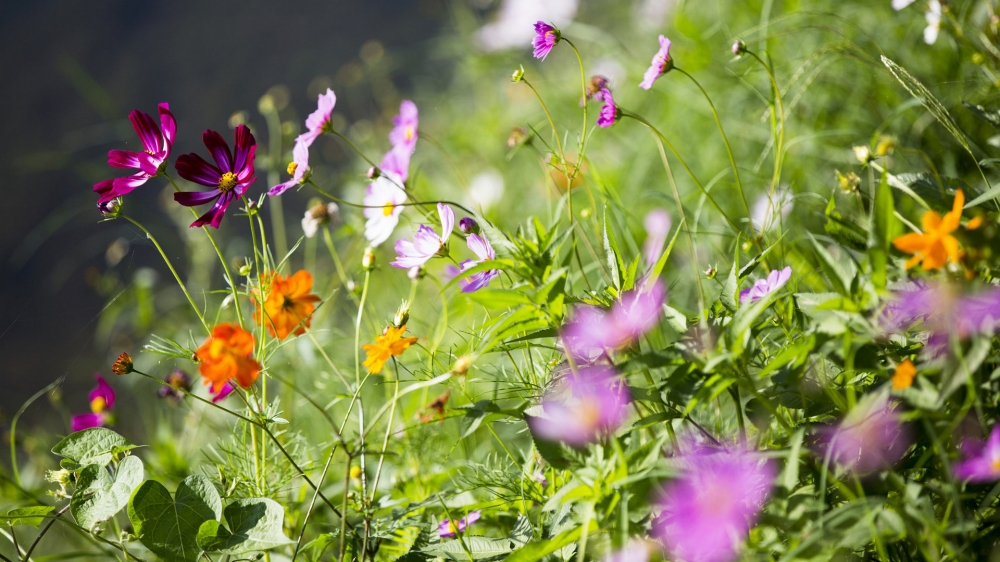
(229, 178)
(582, 407)
(709, 510)
(763, 287)
(546, 37)
(318, 121)
(177, 381)
(426, 243)
(447, 529)
(225, 391)
(102, 400)
(404, 130)
(982, 463)
(869, 438)
(609, 111)
(156, 144)
(594, 332)
(659, 66)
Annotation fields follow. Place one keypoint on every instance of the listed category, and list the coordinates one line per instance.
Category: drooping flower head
(122, 365)
(869, 438)
(582, 407)
(982, 462)
(319, 214)
(609, 111)
(318, 121)
(156, 144)
(288, 304)
(660, 65)
(228, 178)
(227, 355)
(657, 223)
(384, 198)
(468, 225)
(426, 243)
(390, 344)
(936, 245)
(546, 37)
(708, 511)
(763, 287)
(594, 332)
(404, 127)
(102, 401)
(298, 169)
(594, 87)
(484, 251)
(449, 528)
(940, 309)
(177, 381)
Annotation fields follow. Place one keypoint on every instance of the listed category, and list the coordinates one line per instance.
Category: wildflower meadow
(719, 288)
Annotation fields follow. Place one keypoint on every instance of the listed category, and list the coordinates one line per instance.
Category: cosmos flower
(229, 178)
(660, 65)
(448, 529)
(404, 131)
(768, 211)
(177, 381)
(633, 551)
(546, 37)
(594, 87)
(512, 27)
(298, 168)
(657, 224)
(227, 355)
(593, 331)
(708, 511)
(609, 111)
(940, 309)
(582, 407)
(319, 214)
(383, 199)
(426, 243)
(222, 393)
(763, 287)
(156, 143)
(318, 121)
(289, 304)
(390, 344)
(482, 248)
(933, 18)
(468, 225)
(102, 400)
(982, 462)
(936, 245)
(869, 438)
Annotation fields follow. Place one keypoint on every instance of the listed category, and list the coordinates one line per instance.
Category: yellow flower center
(590, 412)
(97, 405)
(995, 465)
(452, 527)
(550, 34)
(292, 166)
(227, 182)
(410, 133)
(387, 209)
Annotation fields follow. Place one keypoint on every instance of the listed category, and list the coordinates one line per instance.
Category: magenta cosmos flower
(225, 391)
(178, 383)
(318, 121)
(594, 331)
(426, 243)
(229, 178)
(156, 144)
(657, 224)
(609, 111)
(546, 37)
(582, 407)
(102, 400)
(763, 287)
(447, 528)
(709, 510)
(943, 311)
(484, 251)
(659, 66)
(404, 130)
(982, 463)
(869, 438)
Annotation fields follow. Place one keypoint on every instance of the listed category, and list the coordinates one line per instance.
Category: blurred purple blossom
(593, 331)
(940, 309)
(176, 382)
(482, 248)
(102, 400)
(583, 406)
(404, 131)
(763, 287)
(225, 391)
(448, 529)
(546, 37)
(660, 64)
(156, 143)
(426, 243)
(869, 438)
(609, 111)
(982, 462)
(657, 224)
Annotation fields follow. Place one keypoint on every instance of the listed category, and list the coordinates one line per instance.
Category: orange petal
(930, 221)
(974, 223)
(959, 202)
(910, 263)
(950, 244)
(910, 243)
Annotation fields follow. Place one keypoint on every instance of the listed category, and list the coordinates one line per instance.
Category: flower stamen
(227, 182)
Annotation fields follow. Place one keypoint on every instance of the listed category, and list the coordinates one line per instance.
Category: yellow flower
(389, 344)
(904, 375)
(936, 246)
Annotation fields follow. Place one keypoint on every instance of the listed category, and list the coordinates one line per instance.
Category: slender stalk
(343, 518)
(411, 204)
(312, 503)
(555, 132)
(356, 149)
(275, 152)
(581, 549)
(388, 431)
(27, 553)
(779, 145)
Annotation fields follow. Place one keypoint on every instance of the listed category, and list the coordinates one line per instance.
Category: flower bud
(468, 225)
(402, 315)
(245, 270)
(886, 145)
(122, 365)
(739, 48)
(849, 182)
(518, 136)
(518, 75)
(110, 208)
(416, 273)
(374, 173)
(461, 366)
(368, 260)
(711, 272)
(863, 154)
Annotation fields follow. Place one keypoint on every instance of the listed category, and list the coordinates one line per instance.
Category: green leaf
(884, 229)
(255, 524)
(99, 497)
(168, 526)
(30, 516)
(481, 548)
(615, 263)
(522, 532)
(538, 550)
(96, 445)
(499, 298)
(991, 116)
(675, 319)
(728, 295)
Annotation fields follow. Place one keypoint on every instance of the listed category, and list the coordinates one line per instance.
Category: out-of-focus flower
(482, 248)
(657, 223)
(869, 438)
(763, 287)
(609, 111)
(318, 121)
(122, 365)
(177, 381)
(227, 355)
(982, 462)
(660, 65)
(151, 162)
(512, 28)
(319, 214)
(942, 311)
(298, 168)
(633, 551)
(288, 304)
(739, 47)
(461, 366)
(222, 393)
(903, 376)
(229, 178)
(390, 344)
(435, 410)
(447, 528)
(885, 146)
(594, 87)
(768, 211)
(863, 154)
(102, 400)
(426, 243)
(546, 37)
(518, 136)
(933, 18)
(593, 332)
(404, 127)
(486, 189)
(416, 273)
(936, 245)
(900, 4)
(709, 510)
(383, 199)
(584, 406)
(848, 182)
(468, 225)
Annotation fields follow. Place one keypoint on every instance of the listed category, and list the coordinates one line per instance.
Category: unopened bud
(461, 365)
(849, 182)
(518, 75)
(711, 272)
(739, 48)
(245, 270)
(863, 154)
(122, 365)
(518, 136)
(468, 225)
(886, 145)
(374, 173)
(402, 315)
(110, 208)
(416, 273)
(368, 260)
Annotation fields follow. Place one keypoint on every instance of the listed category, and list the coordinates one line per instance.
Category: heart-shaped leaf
(96, 445)
(254, 525)
(31, 516)
(98, 496)
(168, 526)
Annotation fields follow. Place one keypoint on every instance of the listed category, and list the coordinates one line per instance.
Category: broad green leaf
(255, 524)
(884, 228)
(96, 445)
(522, 532)
(537, 550)
(481, 548)
(168, 526)
(675, 319)
(30, 516)
(99, 497)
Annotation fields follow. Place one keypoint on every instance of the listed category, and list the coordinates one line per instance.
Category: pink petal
(219, 150)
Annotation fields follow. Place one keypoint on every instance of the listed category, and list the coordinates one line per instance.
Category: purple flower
(447, 529)
(659, 66)
(156, 144)
(583, 406)
(939, 309)
(763, 287)
(593, 331)
(546, 37)
(404, 130)
(983, 460)
(468, 225)
(177, 381)
(229, 178)
(225, 391)
(318, 121)
(426, 243)
(482, 248)
(298, 169)
(609, 111)
(709, 510)
(869, 438)
(657, 223)
(594, 88)
(102, 400)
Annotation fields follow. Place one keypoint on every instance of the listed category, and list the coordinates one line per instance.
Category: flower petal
(123, 159)
(245, 148)
(168, 124)
(194, 168)
(195, 198)
(148, 131)
(219, 150)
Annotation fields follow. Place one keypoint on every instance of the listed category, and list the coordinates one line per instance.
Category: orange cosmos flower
(936, 246)
(289, 304)
(227, 355)
(904, 375)
(389, 344)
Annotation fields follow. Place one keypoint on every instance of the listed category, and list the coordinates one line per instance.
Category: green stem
(356, 150)
(411, 204)
(581, 549)
(562, 152)
(779, 145)
(275, 152)
(312, 503)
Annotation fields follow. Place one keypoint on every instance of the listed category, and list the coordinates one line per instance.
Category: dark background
(72, 71)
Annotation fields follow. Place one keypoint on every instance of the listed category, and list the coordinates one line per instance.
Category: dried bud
(374, 173)
(122, 365)
(739, 48)
(368, 260)
(863, 154)
(461, 365)
(711, 272)
(518, 136)
(518, 75)
(849, 182)
(468, 225)
(402, 315)
(416, 273)
(886, 145)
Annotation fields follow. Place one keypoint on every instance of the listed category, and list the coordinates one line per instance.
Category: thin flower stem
(581, 549)
(274, 151)
(411, 204)
(170, 266)
(583, 85)
(343, 518)
(447, 155)
(388, 431)
(357, 330)
(555, 132)
(354, 148)
(312, 503)
(27, 553)
(779, 145)
(458, 533)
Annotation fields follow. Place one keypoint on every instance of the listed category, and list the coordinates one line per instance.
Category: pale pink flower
(426, 243)
(659, 66)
